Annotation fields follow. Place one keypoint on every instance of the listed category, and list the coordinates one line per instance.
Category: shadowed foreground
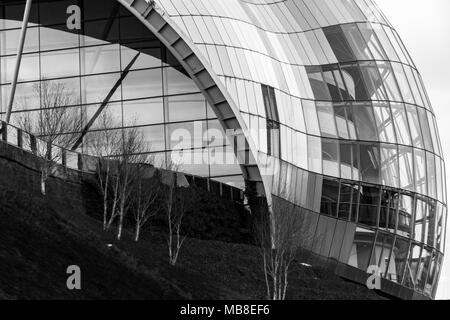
(41, 236)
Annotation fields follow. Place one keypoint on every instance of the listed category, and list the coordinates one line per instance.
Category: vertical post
(33, 144)
(64, 157)
(20, 138)
(48, 154)
(80, 162)
(4, 131)
(23, 34)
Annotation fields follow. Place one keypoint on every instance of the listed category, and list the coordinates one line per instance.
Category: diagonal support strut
(105, 102)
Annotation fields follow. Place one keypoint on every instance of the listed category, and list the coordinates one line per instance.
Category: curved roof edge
(207, 81)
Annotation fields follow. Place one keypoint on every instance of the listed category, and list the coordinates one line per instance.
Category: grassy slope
(40, 237)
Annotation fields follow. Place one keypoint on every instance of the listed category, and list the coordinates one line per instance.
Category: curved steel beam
(207, 81)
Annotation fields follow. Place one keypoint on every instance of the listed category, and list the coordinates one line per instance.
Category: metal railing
(88, 164)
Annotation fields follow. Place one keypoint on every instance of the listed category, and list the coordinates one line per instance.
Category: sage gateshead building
(330, 110)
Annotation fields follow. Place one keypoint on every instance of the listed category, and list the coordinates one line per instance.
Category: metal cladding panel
(332, 111)
(348, 104)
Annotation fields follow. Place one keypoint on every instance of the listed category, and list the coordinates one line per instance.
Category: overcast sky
(424, 27)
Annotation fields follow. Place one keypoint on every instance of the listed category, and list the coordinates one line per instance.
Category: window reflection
(96, 88)
(355, 82)
(154, 137)
(339, 44)
(9, 41)
(385, 124)
(406, 163)
(373, 81)
(348, 201)
(326, 120)
(405, 214)
(412, 266)
(388, 210)
(187, 107)
(369, 206)
(401, 123)
(357, 42)
(365, 122)
(372, 41)
(330, 197)
(420, 171)
(370, 163)
(100, 59)
(426, 132)
(57, 38)
(332, 85)
(432, 273)
(29, 69)
(150, 57)
(383, 256)
(143, 84)
(440, 227)
(314, 154)
(362, 248)
(318, 83)
(389, 165)
(423, 269)
(59, 64)
(143, 112)
(330, 156)
(401, 254)
(349, 159)
(178, 82)
(389, 81)
(403, 83)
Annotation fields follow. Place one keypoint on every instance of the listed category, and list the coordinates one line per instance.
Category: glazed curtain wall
(156, 96)
(357, 134)
(326, 89)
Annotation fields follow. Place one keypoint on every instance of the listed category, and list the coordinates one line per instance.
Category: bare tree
(121, 156)
(279, 236)
(54, 124)
(132, 148)
(104, 143)
(174, 202)
(147, 188)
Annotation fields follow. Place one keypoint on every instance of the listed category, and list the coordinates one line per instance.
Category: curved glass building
(316, 102)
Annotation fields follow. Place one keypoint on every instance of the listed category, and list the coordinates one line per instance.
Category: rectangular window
(348, 201)
(370, 163)
(388, 210)
(372, 41)
(355, 82)
(405, 213)
(366, 125)
(330, 156)
(373, 81)
(389, 81)
(326, 119)
(318, 84)
(401, 123)
(330, 197)
(385, 124)
(357, 42)
(389, 165)
(273, 122)
(339, 44)
(369, 206)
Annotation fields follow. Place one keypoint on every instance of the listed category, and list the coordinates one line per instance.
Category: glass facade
(324, 89)
(157, 95)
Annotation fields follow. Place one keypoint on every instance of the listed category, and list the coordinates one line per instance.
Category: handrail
(87, 164)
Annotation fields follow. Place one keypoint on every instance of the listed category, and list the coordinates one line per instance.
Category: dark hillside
(41, 236)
